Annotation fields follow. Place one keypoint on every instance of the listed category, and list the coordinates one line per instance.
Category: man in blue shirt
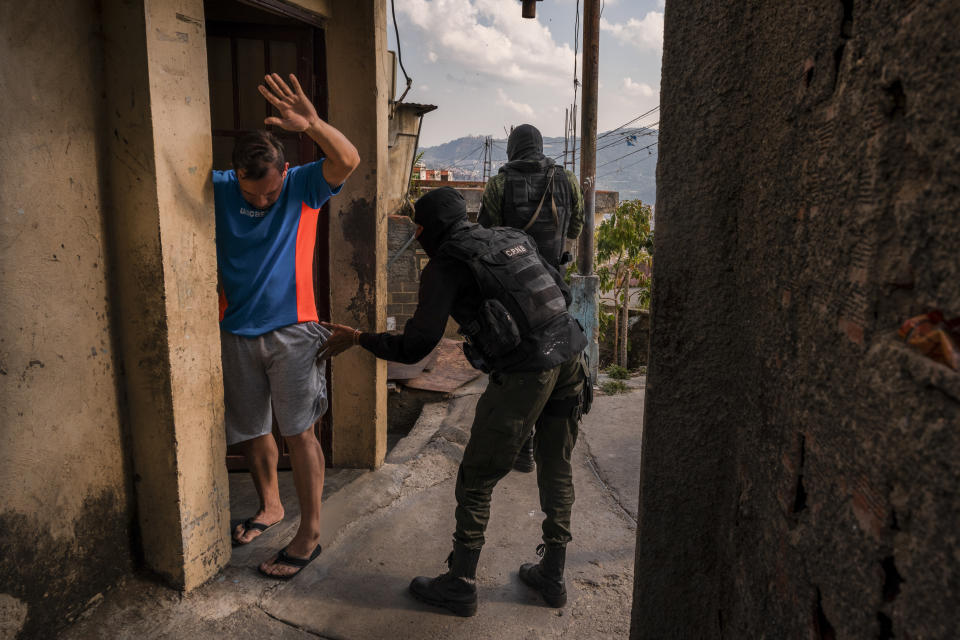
(266, 216)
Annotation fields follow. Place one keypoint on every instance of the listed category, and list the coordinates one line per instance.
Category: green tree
(624, 254)
(413, 189)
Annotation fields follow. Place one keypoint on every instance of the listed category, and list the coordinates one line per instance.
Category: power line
(473, 171)
(570, 127)
(642, 115)
(618, 141)
(628, 154)
(396, 31)
(456, 162)
(619, 169)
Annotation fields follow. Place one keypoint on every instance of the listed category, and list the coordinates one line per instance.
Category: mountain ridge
(626, 159)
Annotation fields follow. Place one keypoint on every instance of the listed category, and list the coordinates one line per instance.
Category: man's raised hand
(297, 113)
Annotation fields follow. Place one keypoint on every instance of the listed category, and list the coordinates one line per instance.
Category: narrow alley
(384, 527)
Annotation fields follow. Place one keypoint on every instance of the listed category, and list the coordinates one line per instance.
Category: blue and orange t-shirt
(266, 256)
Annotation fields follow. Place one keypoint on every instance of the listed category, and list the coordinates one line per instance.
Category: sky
(487, 68)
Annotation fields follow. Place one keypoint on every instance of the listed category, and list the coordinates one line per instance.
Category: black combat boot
(456, 589)
(524, 461)
(547, 576)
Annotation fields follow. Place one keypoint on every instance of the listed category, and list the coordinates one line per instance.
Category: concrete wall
(111, 396)
(356, 70)
(109, 351)
(403, 136)
(799, 465)
(161, 224)
(472, 192)
(64, 498)
(605, 202)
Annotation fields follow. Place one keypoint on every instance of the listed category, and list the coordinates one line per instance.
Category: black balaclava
(525, 150)
(439, 211)
(525, 143)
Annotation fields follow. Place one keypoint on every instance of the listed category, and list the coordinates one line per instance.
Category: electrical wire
(619, 169)
(465, 161)
(396, 31)
(625, 124)
(576, 48)
(627, 154)
(476, 164)
(616, 142)
(619, 140)
(456, 162)
(576, 83)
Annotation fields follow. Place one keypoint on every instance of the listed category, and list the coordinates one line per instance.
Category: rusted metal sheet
(403, 372)
(450, 371)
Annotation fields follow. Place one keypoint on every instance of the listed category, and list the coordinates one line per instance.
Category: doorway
(244, 43)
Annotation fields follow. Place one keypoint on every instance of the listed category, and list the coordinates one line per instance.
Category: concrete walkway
(383, 528)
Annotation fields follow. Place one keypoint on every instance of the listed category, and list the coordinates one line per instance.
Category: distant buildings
(420, 172)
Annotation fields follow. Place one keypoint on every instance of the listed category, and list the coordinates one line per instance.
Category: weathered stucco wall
(356, 49)
(800, 466)
(109, 348)
(64, 520)
(161, 224)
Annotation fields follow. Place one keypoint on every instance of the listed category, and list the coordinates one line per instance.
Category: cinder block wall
(403, 278)
(800, 466)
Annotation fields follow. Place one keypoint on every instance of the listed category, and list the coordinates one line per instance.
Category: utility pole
(487, 158)
(573, 135)
(586, 285)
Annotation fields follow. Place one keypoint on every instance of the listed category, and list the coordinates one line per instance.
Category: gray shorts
(276, 373)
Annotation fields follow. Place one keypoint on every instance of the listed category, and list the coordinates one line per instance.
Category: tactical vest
(550, 190)
(522, 323)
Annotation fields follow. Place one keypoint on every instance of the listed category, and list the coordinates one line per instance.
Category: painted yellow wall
(111, 397)
(162, 225)
(64, 524)
(356, 70)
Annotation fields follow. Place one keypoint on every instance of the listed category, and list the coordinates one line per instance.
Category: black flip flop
(250, 525)
(290, 561)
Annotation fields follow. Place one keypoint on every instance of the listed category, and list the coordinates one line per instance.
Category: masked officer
(534, 194)
(512, 307)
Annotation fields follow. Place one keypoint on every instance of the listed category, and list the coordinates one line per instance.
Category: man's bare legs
(306, 458)
(262, 456)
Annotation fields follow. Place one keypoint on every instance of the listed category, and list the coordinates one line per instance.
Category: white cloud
(491, 37)
(432, 56)
(632, 88)
(643, 34)
(521, 108)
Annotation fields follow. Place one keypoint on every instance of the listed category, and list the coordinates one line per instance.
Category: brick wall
(403, 278)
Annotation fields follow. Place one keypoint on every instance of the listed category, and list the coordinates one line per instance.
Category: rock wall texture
(800, 465)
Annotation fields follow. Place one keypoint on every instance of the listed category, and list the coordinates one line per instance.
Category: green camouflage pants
(506, 413)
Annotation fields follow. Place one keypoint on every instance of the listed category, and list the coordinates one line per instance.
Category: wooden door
(239, 54)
